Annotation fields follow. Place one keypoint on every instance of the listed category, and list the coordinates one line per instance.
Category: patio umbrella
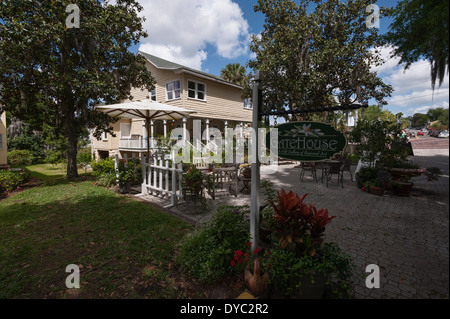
(148, 110)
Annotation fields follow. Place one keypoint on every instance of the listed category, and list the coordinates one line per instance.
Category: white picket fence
(162, 177)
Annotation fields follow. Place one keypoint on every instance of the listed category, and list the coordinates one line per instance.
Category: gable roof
(178, 68)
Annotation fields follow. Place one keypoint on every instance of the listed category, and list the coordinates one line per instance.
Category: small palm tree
(234, 73)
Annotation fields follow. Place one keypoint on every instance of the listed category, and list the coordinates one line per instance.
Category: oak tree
(54, 71)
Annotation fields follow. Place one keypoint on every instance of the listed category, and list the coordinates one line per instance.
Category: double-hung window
(173, 90)
(196, 90)
(125, 130)
(153, 95)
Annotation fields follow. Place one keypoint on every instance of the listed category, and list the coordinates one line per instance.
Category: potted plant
(192, 181)
(403, 171)
(301, 264)
(364, 175)
(375, 186)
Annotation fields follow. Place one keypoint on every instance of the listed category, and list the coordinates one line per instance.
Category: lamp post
(255, 182)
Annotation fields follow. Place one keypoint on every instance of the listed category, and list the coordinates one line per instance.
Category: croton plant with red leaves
(300, 226)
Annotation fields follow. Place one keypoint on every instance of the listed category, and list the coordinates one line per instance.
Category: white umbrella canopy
(148, 110)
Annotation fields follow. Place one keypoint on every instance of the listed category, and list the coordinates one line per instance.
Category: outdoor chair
(335, 169)
(347, 167)
(321, 167)
(311, 167)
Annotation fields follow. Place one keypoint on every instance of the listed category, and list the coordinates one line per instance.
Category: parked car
(443, 135)
(420, 133)
(436, 133)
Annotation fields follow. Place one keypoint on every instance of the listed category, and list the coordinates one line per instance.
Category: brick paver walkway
(408, 238)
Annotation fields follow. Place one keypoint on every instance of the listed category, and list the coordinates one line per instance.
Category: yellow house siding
(222, 101)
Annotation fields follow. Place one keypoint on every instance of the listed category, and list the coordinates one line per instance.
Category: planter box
(402, 189)
(379, 191)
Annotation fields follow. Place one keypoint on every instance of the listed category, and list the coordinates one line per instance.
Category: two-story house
(217, 104)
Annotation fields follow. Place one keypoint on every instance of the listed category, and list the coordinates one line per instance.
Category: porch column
(207, 130)
(242, 130)
(184, 128)
(165, 128)
(151, 133)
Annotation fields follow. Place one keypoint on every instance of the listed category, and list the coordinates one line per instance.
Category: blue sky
(209, 34)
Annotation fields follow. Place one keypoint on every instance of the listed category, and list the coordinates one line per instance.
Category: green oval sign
(308, 141)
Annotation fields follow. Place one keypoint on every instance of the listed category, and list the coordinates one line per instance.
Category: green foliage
(311, 51)
(54, 157)
(53, 75)
(27, 140)
(206, 253)
(379, 142)
(420, 31)
(107, 180)
(20, 157)
(103, 166)
(289, 271)
(84, 156)
(193, 180)
(10, 180)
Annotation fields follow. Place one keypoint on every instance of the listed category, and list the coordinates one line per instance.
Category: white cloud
(412, 87)
(180, 30)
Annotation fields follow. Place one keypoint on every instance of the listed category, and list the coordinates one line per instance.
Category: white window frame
(121, 130)
(104, 136)
(196, 90)
(248, 105)
(152, 94)
(173, 91)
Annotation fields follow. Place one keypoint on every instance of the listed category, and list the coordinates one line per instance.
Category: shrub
(54, 157)
(289, 271)
(108, 180)
(84, 157)
(10, 180)
(103, 166)
(20, 157)
(206, 253)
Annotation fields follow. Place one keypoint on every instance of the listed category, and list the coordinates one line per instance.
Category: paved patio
(408, 238)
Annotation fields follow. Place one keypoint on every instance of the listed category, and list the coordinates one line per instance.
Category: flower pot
(379, 191)
(124, 187)
(401, 188)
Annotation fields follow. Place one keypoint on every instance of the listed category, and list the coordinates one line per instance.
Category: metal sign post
(255, 182)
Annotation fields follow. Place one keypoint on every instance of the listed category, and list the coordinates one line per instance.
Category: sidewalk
(408, 238)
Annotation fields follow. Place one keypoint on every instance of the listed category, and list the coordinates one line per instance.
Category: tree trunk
(72, 149)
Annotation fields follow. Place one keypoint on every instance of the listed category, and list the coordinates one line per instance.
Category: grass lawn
(47, 172)
(124, 248)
